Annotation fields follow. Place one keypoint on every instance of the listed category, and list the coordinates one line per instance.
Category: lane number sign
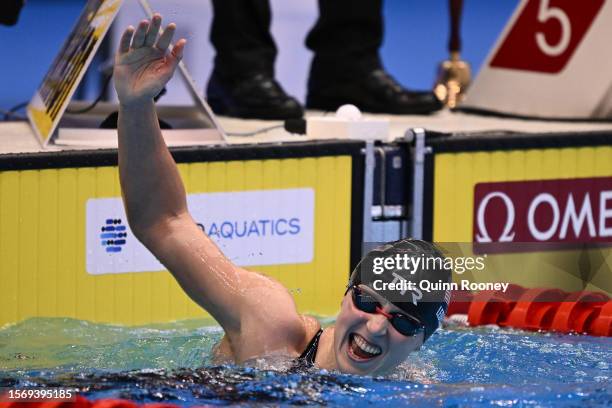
(546, 34)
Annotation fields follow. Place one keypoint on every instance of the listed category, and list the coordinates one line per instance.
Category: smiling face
(367, 343)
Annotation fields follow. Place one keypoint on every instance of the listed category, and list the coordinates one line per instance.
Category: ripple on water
(459, 367)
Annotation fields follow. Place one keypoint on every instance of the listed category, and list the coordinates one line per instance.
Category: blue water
(457, 367)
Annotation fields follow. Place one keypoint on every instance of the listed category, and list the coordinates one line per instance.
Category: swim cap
(400, 272)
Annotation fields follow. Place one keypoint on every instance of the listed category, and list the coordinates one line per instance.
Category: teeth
(365, 346)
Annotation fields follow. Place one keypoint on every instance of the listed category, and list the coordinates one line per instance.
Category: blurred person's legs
(347, 68)
(9, 11)
(242, 83)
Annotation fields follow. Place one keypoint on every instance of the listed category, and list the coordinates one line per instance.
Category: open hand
(142, 64)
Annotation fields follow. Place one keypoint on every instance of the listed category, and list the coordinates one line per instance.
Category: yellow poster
(45, 256)
(62, 79)
(542, 217)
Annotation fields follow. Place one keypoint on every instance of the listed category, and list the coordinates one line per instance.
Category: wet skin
(377, 331)
(258, 314)
(337, 342)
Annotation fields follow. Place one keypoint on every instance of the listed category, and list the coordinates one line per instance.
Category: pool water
(456, 367)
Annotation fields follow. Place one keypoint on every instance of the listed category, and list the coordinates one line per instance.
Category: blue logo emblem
(113, 235)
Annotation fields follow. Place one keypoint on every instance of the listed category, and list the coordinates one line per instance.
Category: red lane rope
(82, 402)
(537, 309)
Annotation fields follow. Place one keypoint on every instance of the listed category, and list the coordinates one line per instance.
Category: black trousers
(345, 39)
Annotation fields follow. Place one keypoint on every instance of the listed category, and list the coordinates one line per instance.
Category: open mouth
(360, 349)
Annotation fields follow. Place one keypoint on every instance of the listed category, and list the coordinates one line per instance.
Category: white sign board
(263, 227)
(63, 77)
(552, 60)
(52, 97)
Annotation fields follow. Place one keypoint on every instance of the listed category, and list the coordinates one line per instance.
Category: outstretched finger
(177, 50)
(126, 39)
(166, 38)
(153, 30)
(140, 34)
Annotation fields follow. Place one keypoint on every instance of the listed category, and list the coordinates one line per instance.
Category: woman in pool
(375, 329)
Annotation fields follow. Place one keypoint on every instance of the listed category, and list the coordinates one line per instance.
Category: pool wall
(524, 169)
(43, 200)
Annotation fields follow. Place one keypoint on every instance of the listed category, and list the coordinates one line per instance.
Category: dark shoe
(258, 96)
(375, 92)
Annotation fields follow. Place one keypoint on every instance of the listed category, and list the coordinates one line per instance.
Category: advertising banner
(61, 81)
(265, 227)
(567, 211)
(541, 217)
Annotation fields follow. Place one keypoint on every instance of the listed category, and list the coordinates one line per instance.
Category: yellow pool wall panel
(42, 241)
(457, 174)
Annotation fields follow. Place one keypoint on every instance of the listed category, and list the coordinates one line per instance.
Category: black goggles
(404, 324)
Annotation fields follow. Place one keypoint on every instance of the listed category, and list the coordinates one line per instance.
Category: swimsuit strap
(309, 354)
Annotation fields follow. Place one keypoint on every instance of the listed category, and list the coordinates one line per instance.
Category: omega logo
(573, 215)
(507, 235)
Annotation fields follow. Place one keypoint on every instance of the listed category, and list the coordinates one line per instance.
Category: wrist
(136, 105)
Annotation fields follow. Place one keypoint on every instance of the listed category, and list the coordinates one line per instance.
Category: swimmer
(374, 331)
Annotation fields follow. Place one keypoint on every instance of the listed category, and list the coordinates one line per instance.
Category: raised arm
(153, 192)
(155, 201)
(147, 171)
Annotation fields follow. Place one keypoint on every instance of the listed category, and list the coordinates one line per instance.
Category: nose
(378, 323)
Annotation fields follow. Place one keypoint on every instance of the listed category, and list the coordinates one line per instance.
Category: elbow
(140, 220)
(148, 235)
(139, 229)
(149, 232)
(134, 220)
(142, 226)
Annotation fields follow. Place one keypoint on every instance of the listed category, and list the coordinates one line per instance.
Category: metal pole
(368, 193)
(418, 180)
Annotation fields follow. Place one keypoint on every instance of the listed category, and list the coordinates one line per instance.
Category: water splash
(458, 367)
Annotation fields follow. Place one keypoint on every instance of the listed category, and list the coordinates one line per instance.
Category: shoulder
(270, 307)
(311, 324)
(269, 322)
(311, 327)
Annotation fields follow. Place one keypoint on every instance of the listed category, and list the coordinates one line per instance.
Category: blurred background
(416, 36)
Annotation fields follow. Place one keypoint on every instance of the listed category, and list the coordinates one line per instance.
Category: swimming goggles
(404, 324)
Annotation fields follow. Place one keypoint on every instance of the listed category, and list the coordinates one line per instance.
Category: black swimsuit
(310, 353)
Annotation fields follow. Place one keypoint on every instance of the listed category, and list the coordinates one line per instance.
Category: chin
(348, 367)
